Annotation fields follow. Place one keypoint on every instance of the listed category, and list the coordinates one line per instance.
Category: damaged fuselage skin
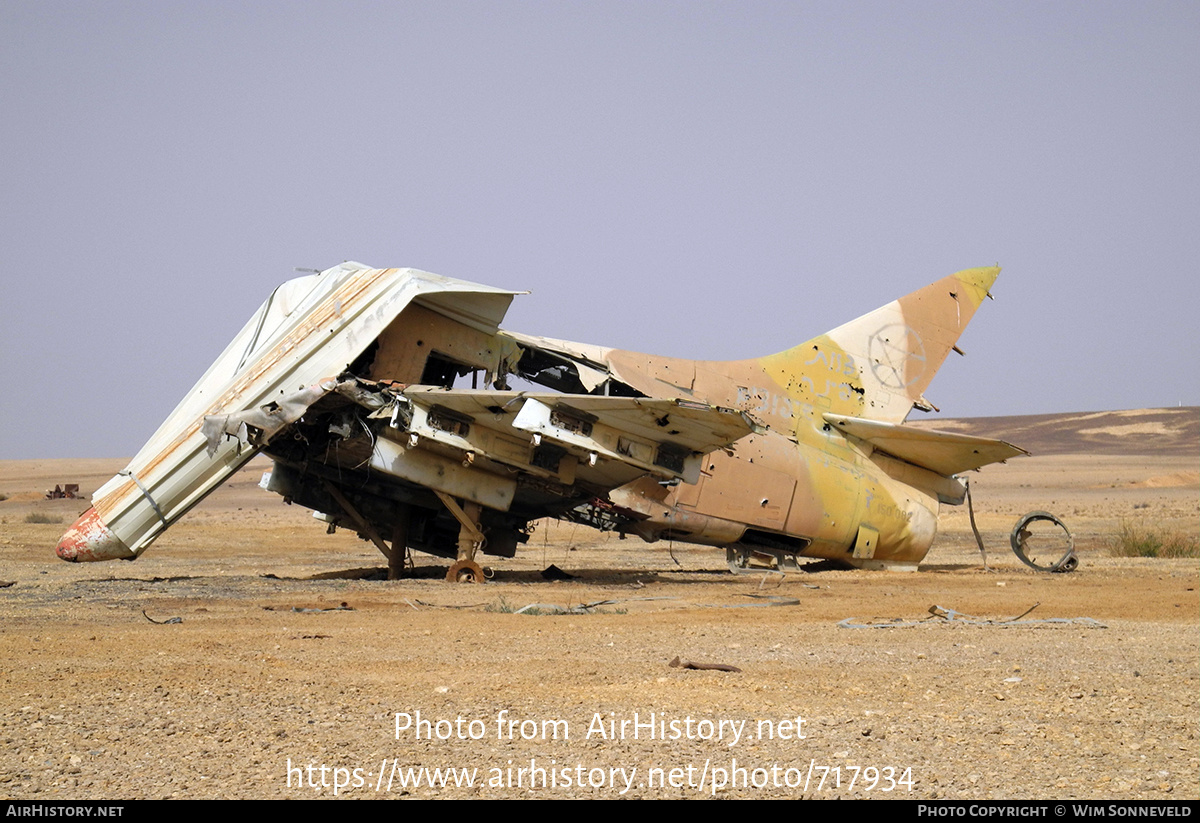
(354, 382)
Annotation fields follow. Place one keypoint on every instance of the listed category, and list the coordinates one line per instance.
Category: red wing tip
(91, 540)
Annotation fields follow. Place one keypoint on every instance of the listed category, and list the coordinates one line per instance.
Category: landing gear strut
(470, 538)
(745, 560)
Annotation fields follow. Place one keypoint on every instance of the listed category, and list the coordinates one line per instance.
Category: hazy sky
(709, 180)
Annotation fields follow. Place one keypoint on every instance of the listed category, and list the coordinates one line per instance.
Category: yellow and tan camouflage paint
(803, 477)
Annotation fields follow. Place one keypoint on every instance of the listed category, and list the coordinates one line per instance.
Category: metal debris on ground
(442, 606)
(582, 608)
(772, 576)
(941, 616)
(771, 600)
(549, 608)
(974, 528)
(341, 607)
(1038, 546)
(1033, 542)
(682, 663)
(168, 621)
(67, 491)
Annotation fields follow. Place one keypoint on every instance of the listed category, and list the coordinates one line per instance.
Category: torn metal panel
(580, 362)
(594, 357)
(255, 427)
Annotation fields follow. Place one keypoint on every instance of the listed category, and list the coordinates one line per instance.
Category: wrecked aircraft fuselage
(352, 382)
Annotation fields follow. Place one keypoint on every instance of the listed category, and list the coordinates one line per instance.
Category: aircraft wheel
(464, 571)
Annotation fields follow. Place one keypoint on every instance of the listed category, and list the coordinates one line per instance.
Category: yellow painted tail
(879, 365)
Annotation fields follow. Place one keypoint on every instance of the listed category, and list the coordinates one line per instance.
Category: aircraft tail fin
(879, 365)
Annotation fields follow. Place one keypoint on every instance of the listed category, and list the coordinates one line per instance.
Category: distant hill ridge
(1172, 431)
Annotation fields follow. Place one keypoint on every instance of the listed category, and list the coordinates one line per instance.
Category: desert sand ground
(268, 687)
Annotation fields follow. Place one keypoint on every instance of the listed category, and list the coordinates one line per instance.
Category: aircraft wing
(604, 442)
(488, 446)
(308, 329)
(943, 452)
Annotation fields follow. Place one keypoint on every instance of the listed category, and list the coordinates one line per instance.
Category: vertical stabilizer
(886, 358)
